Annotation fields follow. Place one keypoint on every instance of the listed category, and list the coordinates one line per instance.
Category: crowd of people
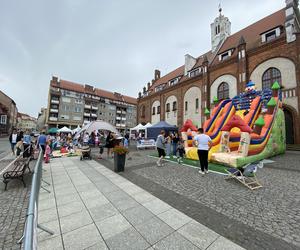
(168, 144)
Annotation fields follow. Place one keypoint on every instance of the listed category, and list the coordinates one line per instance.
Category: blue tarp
(154, 131)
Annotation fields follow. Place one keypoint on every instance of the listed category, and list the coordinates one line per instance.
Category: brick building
(71, 104)
(8, 114)
(264, 52)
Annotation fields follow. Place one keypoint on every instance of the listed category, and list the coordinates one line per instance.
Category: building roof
(251, 34)
(72, 86)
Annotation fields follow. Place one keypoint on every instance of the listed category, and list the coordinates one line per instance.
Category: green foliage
(120, 150)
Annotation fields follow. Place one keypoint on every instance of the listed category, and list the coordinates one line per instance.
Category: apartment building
(8, 114)
(71, 104)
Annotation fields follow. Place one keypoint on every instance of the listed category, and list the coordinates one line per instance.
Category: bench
(17, 172)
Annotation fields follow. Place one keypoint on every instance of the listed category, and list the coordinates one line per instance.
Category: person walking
(203, 142)
(41, 141)
(27, 144)
(160, 146)
(109, 143)
(175, 140)
(168, 145)
(13, 140)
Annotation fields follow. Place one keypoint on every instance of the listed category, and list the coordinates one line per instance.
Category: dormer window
(195, 72)
(159, 88)
(270, 35)
(173, 81)
(225, 55)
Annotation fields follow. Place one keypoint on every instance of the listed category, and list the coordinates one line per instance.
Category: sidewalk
(91, 207)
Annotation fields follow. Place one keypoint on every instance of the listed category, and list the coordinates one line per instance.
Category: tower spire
(220, 8)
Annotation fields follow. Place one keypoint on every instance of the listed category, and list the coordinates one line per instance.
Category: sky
(110, 44)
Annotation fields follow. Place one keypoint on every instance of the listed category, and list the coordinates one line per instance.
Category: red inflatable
(236, 122)
(188, 125)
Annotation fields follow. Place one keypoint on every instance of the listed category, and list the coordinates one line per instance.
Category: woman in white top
(203, 142)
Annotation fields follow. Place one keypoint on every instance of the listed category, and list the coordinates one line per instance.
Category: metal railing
(29, 237)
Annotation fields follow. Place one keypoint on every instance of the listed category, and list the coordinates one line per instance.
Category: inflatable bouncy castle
(248, 128)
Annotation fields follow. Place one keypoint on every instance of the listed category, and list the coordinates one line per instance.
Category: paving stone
(47, 215)
(103, 212)
(174, 218)
(96, 201)
(62, 200)
(70, 208)
(51, 244)
(224, 244)
(143, 197)
(74, 221)
(174, 242)
(198, 234)
(128, 239)
(137, 215)
(53, 226)
(83, 237)
(157, 206)
(112, 226)
(154, 230)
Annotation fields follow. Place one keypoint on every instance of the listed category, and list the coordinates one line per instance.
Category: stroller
(85, 153)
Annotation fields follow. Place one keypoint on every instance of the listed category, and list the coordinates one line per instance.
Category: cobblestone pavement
(268, 218)
(13, 207)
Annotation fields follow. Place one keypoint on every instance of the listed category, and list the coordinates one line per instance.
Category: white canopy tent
(138, 128)
(64, 130)
(97, 125)
(74, 131)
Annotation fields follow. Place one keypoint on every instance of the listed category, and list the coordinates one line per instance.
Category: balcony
(94, 108)
(94, 115)
(55, 91)
(87, 114)
(87, 106)
(123, 118)
(53, 119)
(119, 111)
(124, 112)
(54, 110)
(53, 101)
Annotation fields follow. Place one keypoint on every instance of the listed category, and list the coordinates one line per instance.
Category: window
(195, 72)
(66, 107)
(65, 117)
(168, 107)
(270, 36)
(66, 99)
(217, 29)
(197, 104)
(77, 118)
(78, 101)
(158, 109)
(186, 106)
(173, 81)
(270, 76)
(3, 119)
(153, 111)
(223, 91)
(174, 106)
(78, 109)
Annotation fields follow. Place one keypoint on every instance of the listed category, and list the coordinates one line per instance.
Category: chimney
(54, 80)
(148, 85)
(189, 63)
(156, 74)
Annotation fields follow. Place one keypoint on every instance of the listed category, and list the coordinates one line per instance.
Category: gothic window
(153, 111)
(197, 104)
(186, 106)
(174, 106)
(270, 76)
(168, 107)
(223, 91)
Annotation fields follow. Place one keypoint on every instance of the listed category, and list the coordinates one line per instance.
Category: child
(168, 145)
(181, 151)
(47, 153)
